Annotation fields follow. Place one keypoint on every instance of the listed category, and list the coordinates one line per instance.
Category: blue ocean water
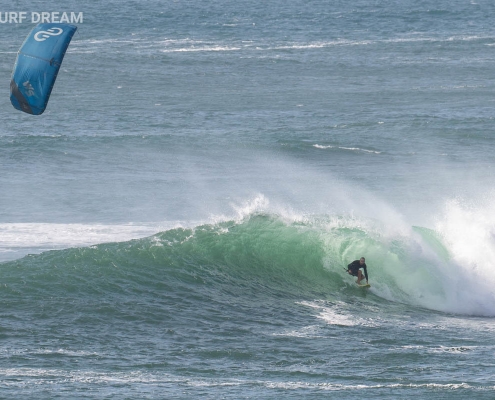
(176, 224)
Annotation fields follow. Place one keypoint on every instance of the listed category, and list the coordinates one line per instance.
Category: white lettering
(18, 17)
(64, 18)
(35, 17)
(76, 19)
(13, 17)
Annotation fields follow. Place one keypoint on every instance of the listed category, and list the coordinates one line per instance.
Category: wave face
(260, 256)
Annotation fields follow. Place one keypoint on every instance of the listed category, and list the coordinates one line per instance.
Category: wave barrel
(37, 65)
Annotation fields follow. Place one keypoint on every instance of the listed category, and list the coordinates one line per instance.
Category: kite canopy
(37, 65)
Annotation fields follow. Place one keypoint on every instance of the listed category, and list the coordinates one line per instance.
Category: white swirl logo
(41, 36)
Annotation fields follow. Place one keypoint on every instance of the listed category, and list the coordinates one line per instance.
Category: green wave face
(262, 257)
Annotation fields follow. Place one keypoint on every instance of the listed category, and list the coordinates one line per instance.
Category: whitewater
(178, 221)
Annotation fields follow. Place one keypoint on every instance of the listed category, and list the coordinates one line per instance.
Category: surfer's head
(361, 260)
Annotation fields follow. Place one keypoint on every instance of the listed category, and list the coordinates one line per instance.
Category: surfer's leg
(360, 277)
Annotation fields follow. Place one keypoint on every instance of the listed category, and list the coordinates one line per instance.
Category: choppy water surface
(177, 223)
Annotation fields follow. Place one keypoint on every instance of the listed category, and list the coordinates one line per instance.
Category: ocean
(178, 221)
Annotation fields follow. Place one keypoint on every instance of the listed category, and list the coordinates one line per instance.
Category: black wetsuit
(354, 267)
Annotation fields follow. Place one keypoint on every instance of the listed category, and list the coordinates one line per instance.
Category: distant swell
(319, 146)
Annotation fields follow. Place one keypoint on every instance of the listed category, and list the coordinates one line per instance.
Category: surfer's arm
(365, 273)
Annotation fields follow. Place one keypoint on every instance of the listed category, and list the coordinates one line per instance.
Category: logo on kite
(37, 66)
(29, 89)
(41, 36)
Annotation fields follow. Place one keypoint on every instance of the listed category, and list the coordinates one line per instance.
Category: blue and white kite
(37, 65)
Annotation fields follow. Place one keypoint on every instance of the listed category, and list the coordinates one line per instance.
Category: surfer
(354, 269)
